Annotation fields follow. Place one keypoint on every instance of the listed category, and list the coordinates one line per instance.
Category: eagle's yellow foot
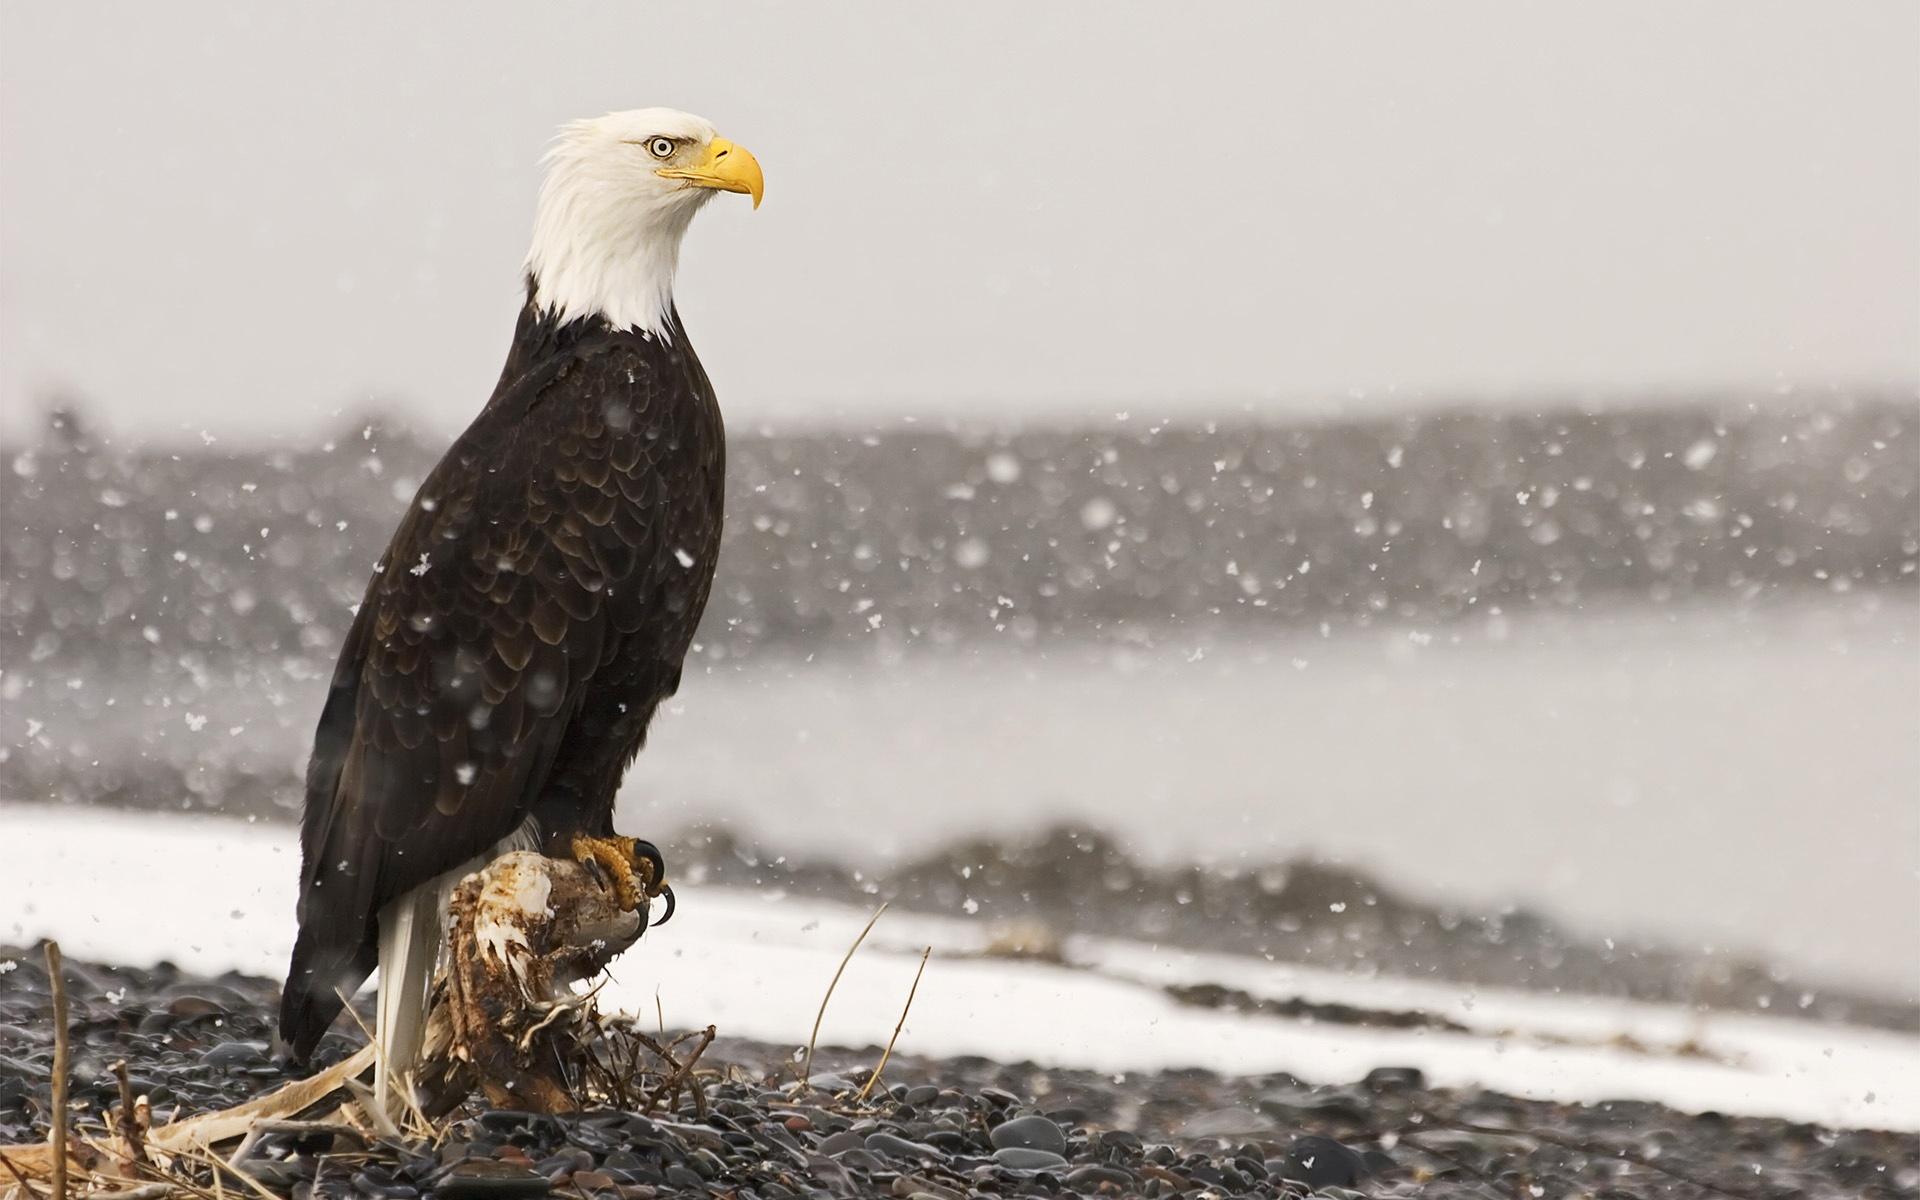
(635, 867)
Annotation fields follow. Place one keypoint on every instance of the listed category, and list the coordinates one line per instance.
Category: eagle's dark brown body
(531, 612)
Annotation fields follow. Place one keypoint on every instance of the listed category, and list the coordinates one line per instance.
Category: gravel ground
(936, 1128)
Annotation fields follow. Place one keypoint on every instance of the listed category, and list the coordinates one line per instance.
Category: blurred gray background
(249, 217)
(1470, 450)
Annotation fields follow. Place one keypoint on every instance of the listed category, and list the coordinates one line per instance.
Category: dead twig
(128, 1125)
(57, 985)
(806, 1069)
(898, 1026)
(681, 1073)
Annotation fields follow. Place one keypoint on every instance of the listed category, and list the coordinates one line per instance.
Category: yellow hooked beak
(728, 167)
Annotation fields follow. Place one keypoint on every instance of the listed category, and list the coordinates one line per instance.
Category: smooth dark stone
(509, 1121)
(771, 1133)
(685, 1177)
(189, 1006)
(638, 1172)
(1321, 1162)
(563, 1163)
(1023, 1158)
(598, 1139)
(368, 1183)
(638, 1126)
(695, 1135)
(831, 1083)
(486, 1179)
(1093, 1175)
(235, 1054)
(840, 1143)
(895, 1146)
(1388, 1079)
(1029, 1133)
(924, 1094)
(280, 1173)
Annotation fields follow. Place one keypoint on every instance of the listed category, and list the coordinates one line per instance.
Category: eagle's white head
(620, 192)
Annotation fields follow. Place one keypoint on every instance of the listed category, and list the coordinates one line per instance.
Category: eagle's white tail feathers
(410, 937)
(412, 929)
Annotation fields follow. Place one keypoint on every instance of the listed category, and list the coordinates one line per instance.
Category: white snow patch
(756, 965)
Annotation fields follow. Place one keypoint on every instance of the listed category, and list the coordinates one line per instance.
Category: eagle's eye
(660, 147)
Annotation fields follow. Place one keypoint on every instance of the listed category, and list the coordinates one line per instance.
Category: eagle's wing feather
(471, 652)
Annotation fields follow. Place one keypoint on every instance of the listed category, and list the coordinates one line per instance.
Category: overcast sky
(257, 217)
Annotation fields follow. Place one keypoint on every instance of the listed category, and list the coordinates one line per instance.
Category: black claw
(651, 852)
(666, 893)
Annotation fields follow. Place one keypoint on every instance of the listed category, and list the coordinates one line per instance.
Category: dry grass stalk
(215, 1166)
(57, 984)
(209, 1129)
(25, 1185)
(886, 1054)
(806, 1069)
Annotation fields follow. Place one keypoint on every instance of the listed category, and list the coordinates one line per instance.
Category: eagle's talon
(656, 864)
(666, 893)
(635, 868)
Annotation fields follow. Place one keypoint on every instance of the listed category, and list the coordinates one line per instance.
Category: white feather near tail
(412, 934)
(410, 937)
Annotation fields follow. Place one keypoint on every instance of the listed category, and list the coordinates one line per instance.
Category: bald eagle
(536, 602)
